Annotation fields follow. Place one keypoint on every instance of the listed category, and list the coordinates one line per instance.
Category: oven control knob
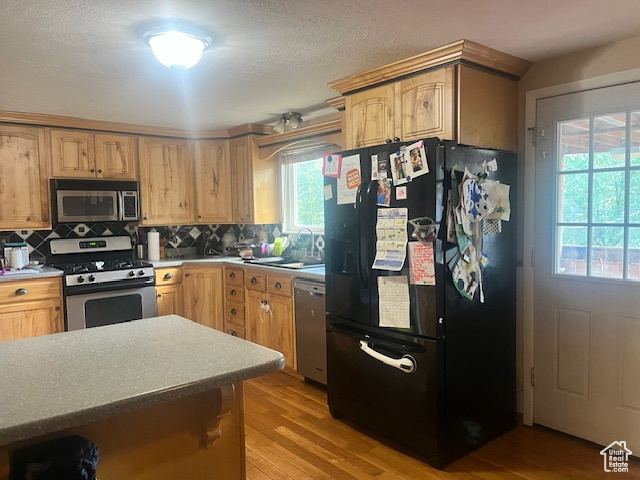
(141, 273)
(132, 273)
(80, 279)
(92, 278)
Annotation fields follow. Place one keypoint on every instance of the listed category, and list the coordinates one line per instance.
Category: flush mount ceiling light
(292, 119)
(177, 47)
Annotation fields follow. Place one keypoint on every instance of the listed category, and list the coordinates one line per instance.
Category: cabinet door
(241, 177)
(170, 300)
(424, 105)
(254, 318)
(370, 117)
(203, 296)
(24, 179)
(72, 154)
(213, 182)
(30, 319)
(281, 329)
(166, 196)
(115, 156)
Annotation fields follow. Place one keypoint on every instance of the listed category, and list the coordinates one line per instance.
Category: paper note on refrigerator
(391, 245)
(394, 302)
(349, 180)
(421, 264)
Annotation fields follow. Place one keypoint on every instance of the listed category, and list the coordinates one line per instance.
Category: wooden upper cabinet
(24, 179)
(424, 105)
(463, 91)
(78, 154)
(255, 184)
(72, 154)
(213, 182)
(370, 117)
(115, 156)
(166, 178)
(241, 152)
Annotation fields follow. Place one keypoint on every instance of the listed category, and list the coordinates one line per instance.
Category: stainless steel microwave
(82, 201)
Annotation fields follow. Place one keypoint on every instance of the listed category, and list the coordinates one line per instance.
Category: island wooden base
(197, 437)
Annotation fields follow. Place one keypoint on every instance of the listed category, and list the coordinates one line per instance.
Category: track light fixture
(292, 119)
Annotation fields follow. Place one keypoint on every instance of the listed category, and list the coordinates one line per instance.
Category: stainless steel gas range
(103, 283)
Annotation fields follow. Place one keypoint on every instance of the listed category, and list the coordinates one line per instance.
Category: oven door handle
(110, 287)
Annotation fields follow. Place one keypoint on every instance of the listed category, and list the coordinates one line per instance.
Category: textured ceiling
(85, 58)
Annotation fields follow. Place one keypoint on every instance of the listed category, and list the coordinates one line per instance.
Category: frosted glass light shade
(177, 49)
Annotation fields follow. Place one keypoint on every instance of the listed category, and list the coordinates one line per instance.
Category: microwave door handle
(120, 206)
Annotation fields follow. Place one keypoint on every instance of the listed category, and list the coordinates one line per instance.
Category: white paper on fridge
(394, 302)
(349, 179)
(391, 244)
(421, 264)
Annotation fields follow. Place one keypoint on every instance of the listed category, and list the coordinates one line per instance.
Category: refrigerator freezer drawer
(364, 388)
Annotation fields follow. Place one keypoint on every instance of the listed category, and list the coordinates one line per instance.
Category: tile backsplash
(177, 236)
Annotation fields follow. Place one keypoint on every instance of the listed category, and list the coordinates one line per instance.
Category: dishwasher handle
(406, 364)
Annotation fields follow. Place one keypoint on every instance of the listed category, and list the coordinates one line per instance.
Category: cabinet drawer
(279, 284)
(11, 292)
(235, 331)
(235, 293)
(256, 281)
(234, 313)
(234, 276)
(168, 276)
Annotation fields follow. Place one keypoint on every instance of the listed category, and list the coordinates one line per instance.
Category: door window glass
(598, 197)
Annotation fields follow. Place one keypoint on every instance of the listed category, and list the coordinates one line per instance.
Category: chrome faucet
(313, 240)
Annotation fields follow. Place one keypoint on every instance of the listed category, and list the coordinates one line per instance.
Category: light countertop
(54, 382)
(42, 272)
(315, 273)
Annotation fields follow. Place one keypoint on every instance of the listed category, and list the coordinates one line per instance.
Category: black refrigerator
(461, 393)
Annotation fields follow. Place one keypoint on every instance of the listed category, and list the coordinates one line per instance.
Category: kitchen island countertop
(58, 381)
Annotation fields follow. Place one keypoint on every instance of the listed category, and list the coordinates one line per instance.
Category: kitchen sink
(281, 262)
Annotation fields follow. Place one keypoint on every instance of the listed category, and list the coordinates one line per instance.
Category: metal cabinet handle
(233, 311)
(199, 216)
(425, 104)
(233, 292)
(21, 291)
(396, 139)
(187, 274)
(232, 275)
(234, 333)
(254, 280)
(144, 218)
(159, 295)
(278, 285)
(92, 170)
(99, 171)
(57, 308)
(168, 276)
(45, 219)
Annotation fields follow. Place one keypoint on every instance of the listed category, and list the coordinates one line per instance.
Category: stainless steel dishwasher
(311, 335)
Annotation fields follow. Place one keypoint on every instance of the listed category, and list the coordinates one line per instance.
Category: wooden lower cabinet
(170, 300)
(36, 312)
(269, 322)
(203, 295)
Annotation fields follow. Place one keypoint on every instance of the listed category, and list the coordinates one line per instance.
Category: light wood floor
(291, 435)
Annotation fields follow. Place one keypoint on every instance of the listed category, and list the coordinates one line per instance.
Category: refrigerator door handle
(358, 206)
(406, 364)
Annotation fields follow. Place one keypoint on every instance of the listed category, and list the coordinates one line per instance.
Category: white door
(587, 265)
